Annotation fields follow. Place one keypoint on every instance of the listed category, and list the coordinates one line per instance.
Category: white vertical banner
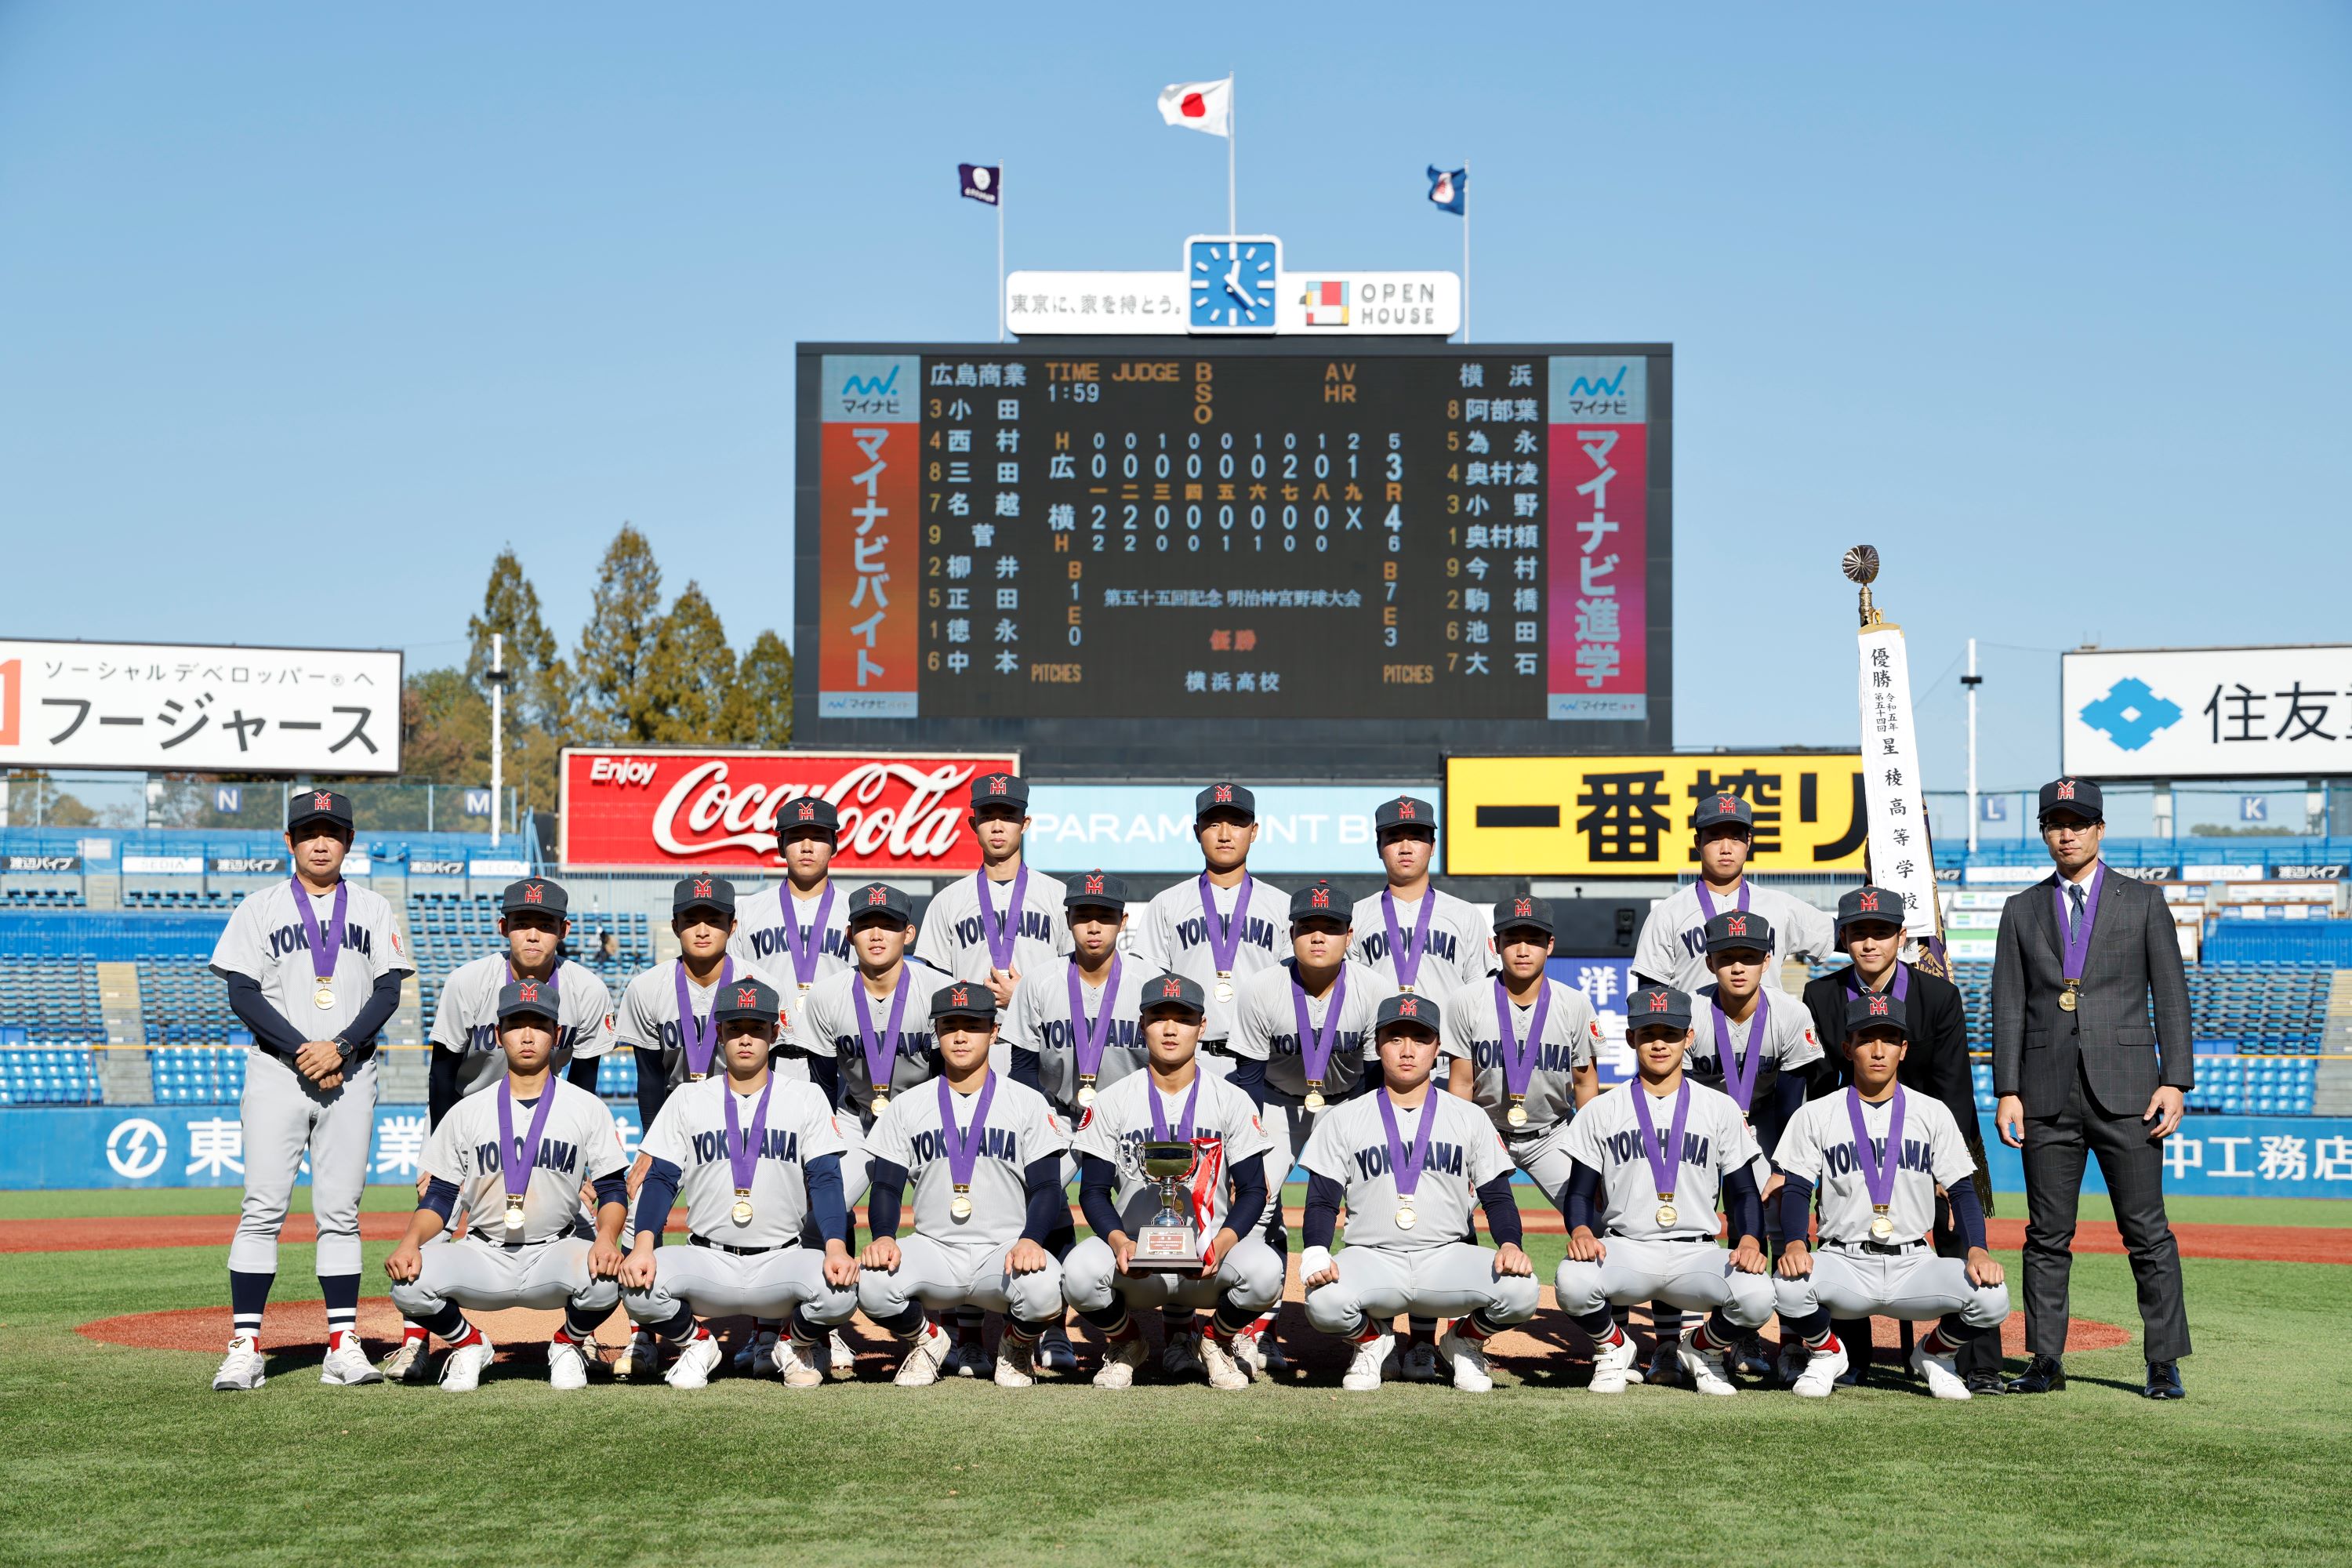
(1901, 857)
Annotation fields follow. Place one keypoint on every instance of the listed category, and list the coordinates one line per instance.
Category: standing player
(1650, 1160)
(313, 967)
(1532, 1044)
(755, 1160)
(1407, 1161)
(516, 1156)
(1173, 1101)
(985, 1156)
(1879, 1153)
(1302, 1035)
(1220, 928)
(1672, 948)
(1424, 940)
(998, 924)
(797, 930)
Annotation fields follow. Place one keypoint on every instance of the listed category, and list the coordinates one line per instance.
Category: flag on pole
(1450, 188)
(981, 182)
(1199, 106)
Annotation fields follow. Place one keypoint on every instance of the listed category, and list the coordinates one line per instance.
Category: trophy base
(1166, 1250)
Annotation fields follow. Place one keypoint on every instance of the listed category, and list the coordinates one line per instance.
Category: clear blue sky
(305, 310)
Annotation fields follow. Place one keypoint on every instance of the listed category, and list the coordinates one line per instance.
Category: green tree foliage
(540, 693)
(616, 645)
(760, 705)
(689, 673)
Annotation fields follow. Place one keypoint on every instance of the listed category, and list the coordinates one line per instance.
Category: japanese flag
(1200, 106)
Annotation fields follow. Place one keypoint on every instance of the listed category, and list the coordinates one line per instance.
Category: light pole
(1972, 680)
(497, 676)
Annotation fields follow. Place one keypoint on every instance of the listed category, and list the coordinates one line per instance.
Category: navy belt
(1879, 1248)
(736, 1251)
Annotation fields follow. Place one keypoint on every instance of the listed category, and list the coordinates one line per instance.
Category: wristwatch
(344, 1047)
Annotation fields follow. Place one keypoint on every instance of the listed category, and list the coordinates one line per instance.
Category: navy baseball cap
(1407, 1008)
(317, 805)
(806, 811)
(1534, 913)
(1096, 890)
(883, 899)
(1876, 1010)
(1320, 900)
(1000, 789)
(2080, 797)
(1869, 903)
(526, 999)
(533, 893)
(964, 999)
(1733, 929)
(1405, 811)
(746, 999)
(1718, 808)
(1175, 991)
(702, 893)
(1233, 797)
(1657, 1005)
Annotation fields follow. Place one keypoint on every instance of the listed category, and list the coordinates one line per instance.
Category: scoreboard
(1303, 559)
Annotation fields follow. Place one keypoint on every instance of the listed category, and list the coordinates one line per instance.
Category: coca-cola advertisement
(647, 808)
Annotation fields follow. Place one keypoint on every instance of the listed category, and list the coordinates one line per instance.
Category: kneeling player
(1172, 1100)
(985, 1155)
(1878, 1152)
(755, 1158)
(1651, 1157)
(1407, 1161)
(516, 1155)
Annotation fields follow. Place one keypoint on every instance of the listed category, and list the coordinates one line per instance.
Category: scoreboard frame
(1144, 748)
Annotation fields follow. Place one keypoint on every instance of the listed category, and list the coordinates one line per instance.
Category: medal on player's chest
(964, 1145)
(741, 1212)
(1665, 1151)
(514, 1219)
(1085, 1089)
(326, 941)
(1667, 1213)
(1881, 1226)
(744, 1145)
(324, 995)
(881, 1098)
(1406, 1219)
(1315, 1100)
(960, 1206)
(1877, 1163)
(1518, 1114)
(1224, 989)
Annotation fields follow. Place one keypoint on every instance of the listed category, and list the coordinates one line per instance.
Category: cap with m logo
(527, 990)
(702, 887)
(534, 894)
(1094, 882)
(322, 800)
(1171, 988)
(1866, 900)
(1523, 906)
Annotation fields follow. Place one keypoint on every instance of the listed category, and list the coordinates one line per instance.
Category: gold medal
(959, 1207)
(1406, 1218)
(2066, 1001)
(881, 1098)
(742, 1210)
(696, 1076)
(1315, 1095)
(325, 995)
(1225, 984)
(514, 1218)
(1666, 1216)
(1085, 1089)
(1518, 1115)
(1881, 1227)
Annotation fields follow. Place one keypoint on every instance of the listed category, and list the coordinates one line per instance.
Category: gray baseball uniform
(1680, 1264)
(1039, 1021)
(1266, 1028)
(1227, 1132)
(1426, 1269)
(949, 1262)
(1851, 1278)
(1789, 1042)
(649, 1017)
(1174, 938)
(829, 1027)
(1571, 1039)
(772, 1274)
(1460, 947)
(549, 1267)
(1672, 947)
(467, 1017)
(951, 938)
(284, 1114)
(762, 940)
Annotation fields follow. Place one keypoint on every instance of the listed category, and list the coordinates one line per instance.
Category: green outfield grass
(116, 1454)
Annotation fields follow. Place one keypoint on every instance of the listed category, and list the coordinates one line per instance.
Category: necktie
(2075, 921)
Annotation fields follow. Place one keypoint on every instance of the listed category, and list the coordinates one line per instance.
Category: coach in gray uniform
(2080, 1070)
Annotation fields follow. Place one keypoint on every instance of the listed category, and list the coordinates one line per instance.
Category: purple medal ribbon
(327, 945)
(516, 1157)
(1706, 905)
(743, 1148)
(1662, 1168)
(805, 953)
(1183, 1133)
(1002, 934)
(879, 1054)
(1740, 1072)
(1404, 1166)
(1314, 1047)
(1519, 1063)
(963, 1148)
(2078, 941)
(1088, 1041)
(1225, 942)
(1877, 1174)
(1900, 986)
(1398, 951)
(700, 1036)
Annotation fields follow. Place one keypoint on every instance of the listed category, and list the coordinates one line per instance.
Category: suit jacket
(2133, 960)
(1938, 1062)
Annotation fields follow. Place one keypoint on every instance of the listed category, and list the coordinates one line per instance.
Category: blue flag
(1449, 189)
(981, 182)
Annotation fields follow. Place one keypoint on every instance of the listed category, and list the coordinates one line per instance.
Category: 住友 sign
(2206, 712)
(902, 812)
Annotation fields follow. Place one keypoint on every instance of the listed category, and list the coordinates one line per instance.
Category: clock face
(1232, 282)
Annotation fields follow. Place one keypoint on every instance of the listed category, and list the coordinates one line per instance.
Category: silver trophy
(1171, 1243)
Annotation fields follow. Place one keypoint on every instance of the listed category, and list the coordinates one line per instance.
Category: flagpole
(1000, 253)
(1466, 250)
(1233, 135)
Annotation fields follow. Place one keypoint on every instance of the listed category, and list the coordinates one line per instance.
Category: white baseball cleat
(758, 1356)
(1418, 1363)
(1823, 1369)
(1469, 1362)
(837, 1359)
(1016, 1362)
(1944, 1380)
(1118, 1366)
(566, 1367)
(1181, 1356)
(1708, 1372)
(241, 1368)
(697, 1361)
(409, 1361)
(461, 1372)
(1224, 1368)
(641, 1357)
(797, 1362)
(1613, 1365)
(924, 1359)
(347, 1364)
(1364, 1372)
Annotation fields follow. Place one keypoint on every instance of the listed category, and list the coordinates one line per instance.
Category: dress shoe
(2042, 1374)
(1987, 1380)
(2164, 1381)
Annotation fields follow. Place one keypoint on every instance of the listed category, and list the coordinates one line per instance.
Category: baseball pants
(717, 1284)
(936, 1273)
(1542, 1154)
(1695, 1276)
(1910, 1287)
(285, 1115)
(1248, 1279)
(1453, 1279)
(470, 1272)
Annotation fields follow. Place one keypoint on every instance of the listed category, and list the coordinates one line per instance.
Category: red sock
(1369, 1333)
(1826, 1345)
(1616, 1336)
(1470, 1329)
(472, 1336)
(409, 1331)
(1936, 1344)
(563, 1337)
(1703, 1340)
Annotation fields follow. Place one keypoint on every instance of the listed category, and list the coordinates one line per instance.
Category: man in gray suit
(2080, 1071)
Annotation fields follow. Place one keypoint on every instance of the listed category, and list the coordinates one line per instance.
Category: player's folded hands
(603, 1260)
(1984, 1268)
(1747, 1258)
(1584, 1246)
(405, 1264)
(1026, 1257)
(840, 1268)
(1509, 1259)
(637, 1269)
(880, 1253)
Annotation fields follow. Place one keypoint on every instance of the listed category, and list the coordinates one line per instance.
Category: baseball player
(1426, 941)
(1878, 1152)
(797, 928)
(1406, 1161)
(313, 967)
(1173, 1101)
(755, 1159)
(985, 1156)
(998, 924)
(1672, 948)
(1532, 1044)
(515, 1155)
(1223, 926)
(1302, 1042)
(1650, 1161)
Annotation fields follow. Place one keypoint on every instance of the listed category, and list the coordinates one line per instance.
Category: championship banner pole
(1901, 854)
(1000, 253)
(1466, 250)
